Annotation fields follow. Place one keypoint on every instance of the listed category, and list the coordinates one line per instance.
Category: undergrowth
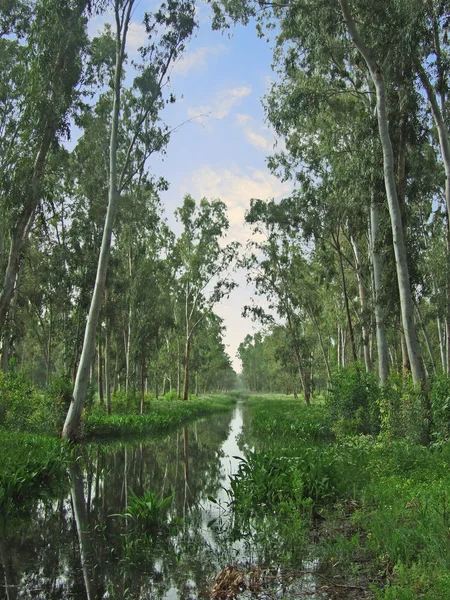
(384, 502)
(160, 417)
(32, 467)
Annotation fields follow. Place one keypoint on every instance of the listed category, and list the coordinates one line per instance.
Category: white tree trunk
(364, 310)
(406, 302)
(382, 344)
(73, 419)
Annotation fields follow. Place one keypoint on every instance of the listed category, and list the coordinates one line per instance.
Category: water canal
(83, 545)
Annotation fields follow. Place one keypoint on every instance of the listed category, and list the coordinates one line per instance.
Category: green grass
(161, 416)
(385, 501)
(32, 467)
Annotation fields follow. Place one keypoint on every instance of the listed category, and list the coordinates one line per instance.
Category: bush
(401, 409)
(440, 406)
(18, 401)
(353, 401)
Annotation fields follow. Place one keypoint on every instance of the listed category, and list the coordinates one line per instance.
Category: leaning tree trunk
(406, 302)
(72, 422)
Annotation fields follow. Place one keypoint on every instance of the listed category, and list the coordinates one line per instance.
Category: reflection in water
(79, 546)
(81, 520)
(6, 558)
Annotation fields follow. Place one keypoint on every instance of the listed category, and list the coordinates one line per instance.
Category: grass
(161, 416)
(385, 504)
(32, 467)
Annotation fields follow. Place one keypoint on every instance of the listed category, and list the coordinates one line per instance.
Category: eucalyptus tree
(43, 63)
(432, 67)
(204, 264)
(275, 267)
(168, 31)
(374, 47)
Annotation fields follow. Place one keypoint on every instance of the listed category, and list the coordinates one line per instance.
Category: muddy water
(79, 545)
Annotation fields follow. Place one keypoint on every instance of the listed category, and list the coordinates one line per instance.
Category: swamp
(224, 299)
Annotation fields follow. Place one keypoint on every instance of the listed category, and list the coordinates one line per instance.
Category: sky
(221, 154)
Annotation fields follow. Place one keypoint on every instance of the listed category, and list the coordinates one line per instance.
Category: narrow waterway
(83, 544)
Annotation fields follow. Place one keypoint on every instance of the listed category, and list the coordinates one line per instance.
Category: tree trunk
(24, 223)
(101, 397)
(322, 347)
(49, 345)
(187, 356)
(364, 310)
(382, 344)
(339, 351)
(442, 345)
(72, 423)
(406, 302)
(178, 370)
(142, 385)
(444, 143)
(196, 384)
(108, 366)
(427, 338)
(346, 304)
(130, 316)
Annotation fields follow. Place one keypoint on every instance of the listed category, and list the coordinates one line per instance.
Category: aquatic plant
(148, 511)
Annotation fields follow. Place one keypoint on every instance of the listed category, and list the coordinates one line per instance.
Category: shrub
(353, 400)
(401, 409)
(440, 406)
(18, 400)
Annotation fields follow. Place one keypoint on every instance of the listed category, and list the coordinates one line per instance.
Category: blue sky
(223, 153)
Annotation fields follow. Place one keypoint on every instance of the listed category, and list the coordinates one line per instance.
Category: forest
(126, 435)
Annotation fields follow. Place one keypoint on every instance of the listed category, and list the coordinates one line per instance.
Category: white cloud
(221, 106)
(197, 59)
(235, 187)
(262, 140)
(136, 37)
(226, 100)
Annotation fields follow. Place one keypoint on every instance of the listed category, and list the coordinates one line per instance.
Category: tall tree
(168, 31)
(204, 265)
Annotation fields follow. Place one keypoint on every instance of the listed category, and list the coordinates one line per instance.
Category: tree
(36, 109)
(203, 265)
(176, 22)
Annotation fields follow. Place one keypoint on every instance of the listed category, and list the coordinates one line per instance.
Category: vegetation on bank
(33, 461)
(32, 467)
(160, 416)
(376, 506)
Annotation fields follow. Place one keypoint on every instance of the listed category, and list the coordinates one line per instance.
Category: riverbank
(375, 513)
(33, 466)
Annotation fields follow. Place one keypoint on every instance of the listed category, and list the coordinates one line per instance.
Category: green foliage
(18, 401)
(267, 481)
(148, 511)
(385, 499)
(353, 400)
(440, 403)
(170, 396)
(401, 409)
(161, 416)
(31, 467)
